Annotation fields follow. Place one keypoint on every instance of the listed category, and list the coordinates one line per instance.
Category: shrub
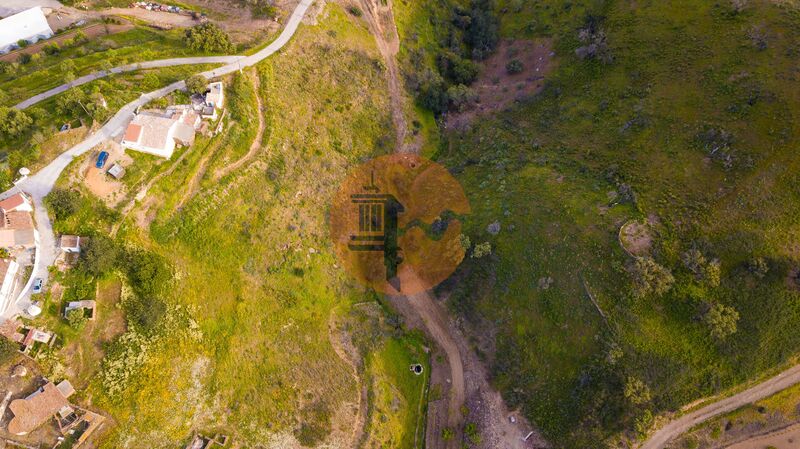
(208, 37)
(514, 66)
(721, 321)
(99, 255)
(481, 250)
(13, 122)
(650, 278)
(355, 10)
(636, 391)
(263, 9)
(431, 91)
(196, 84)
(481, 33)
(52, 49)
(457, 69)
(758, 267)
(63, 202)
(24, 58)
(148, 273)
(76, 318)
(461, 98)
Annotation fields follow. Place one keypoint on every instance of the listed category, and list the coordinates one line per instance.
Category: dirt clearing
(515, 71)
(98, 181)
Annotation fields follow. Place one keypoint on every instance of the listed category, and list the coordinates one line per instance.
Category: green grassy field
(549, 169)
(244, 344)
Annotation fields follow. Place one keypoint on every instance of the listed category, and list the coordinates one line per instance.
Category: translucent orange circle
(396, 223)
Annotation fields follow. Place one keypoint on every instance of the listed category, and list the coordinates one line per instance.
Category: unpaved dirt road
(462, 379)
(680, 425)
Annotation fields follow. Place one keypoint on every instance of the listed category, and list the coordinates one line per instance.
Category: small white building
(29, 25)
(70, 244)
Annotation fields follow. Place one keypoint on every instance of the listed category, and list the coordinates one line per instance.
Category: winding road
(41, 183)
(682, 424)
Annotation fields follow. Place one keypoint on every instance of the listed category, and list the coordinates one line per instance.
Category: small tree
(481, 250)
(14, 122)
(514, 66)
(758, 267)
(208, 37)
(721, 321)
(99, 255)
(196, 84)
(712, 273)
(650, 278)
(76, 318)
(63, 202)
(461, 97)
(636, 391)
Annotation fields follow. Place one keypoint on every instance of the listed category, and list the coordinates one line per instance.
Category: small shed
(116, 171)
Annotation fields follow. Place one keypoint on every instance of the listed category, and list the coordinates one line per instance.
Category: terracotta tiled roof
(132, 132)
(12, 202)
(36, 409)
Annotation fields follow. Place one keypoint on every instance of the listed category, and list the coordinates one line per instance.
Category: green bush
(76, 318)
(63, 202)
(209, 37)
(514, 66)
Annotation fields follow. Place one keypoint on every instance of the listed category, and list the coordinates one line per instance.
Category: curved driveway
(682, 424)
(40, 184)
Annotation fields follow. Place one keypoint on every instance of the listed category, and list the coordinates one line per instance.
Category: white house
(16, 202)
(70, 244)
(29, 25)
(157, 134)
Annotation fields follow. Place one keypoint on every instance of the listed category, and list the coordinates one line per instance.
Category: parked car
(101, 160)
(37, 285)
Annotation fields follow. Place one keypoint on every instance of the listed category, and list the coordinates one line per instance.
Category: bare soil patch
(99, 182)
(497, 89)
(636, 238)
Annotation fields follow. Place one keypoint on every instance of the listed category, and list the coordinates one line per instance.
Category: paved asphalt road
(127, 68)
(40, 184)
(678, 426)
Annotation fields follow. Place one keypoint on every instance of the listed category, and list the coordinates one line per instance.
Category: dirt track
(680, 425)
(465, 389)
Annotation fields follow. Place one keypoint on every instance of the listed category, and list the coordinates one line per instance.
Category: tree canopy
(13, 122)
(209, 37)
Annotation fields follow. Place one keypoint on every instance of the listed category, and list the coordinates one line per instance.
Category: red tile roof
(132, 132)
(12, 202)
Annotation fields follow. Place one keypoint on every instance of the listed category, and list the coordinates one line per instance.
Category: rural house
(70, 244)
(29, 25)
(16, 229)
(16, 202)
(158, 133)
(40, 406)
